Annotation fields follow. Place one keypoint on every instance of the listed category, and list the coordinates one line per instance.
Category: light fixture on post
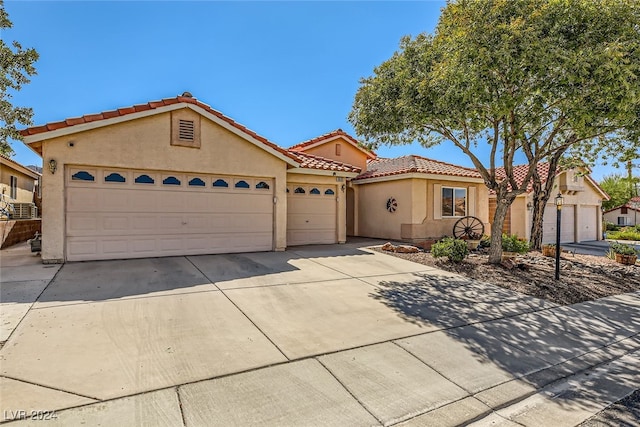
(53, 165)
(559, 200)
(529, 206)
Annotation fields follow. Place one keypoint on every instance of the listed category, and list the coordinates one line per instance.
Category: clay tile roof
(311, 161)
(633, 204)
(414, 164)
(338, 132)
(151, 106)
(520, 172)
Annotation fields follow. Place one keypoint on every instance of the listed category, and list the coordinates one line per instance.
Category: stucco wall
(25, 184)
(300, 178)
(373, 218)
(416, 217)
(633, 215)
(578, 193)
(145, 144)
(348, 153)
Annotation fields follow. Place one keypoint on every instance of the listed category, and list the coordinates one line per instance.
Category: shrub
(609, 226)
(454, 249)
(485, 242)
(513, 243)
(622, 249)
(627, 233)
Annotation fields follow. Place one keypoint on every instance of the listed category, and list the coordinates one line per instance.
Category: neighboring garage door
(567, 229)
(113, 214)
(588, 217)
(311, 214)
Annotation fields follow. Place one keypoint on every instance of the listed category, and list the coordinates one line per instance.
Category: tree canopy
(536, 77)
(619, 189)
(17, 67)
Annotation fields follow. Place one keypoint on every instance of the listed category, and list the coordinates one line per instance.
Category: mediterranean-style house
(625, 215)
(581, 218)
(176, 177)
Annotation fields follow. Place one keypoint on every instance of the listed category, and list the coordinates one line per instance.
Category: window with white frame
(624, 220)
(14, 187)
(454, 201)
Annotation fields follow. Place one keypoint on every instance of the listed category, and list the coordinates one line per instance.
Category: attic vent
(186, 130)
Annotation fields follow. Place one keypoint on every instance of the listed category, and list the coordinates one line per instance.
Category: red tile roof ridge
(312, 161)
(151, 105)
(415, 164)
(337, 132)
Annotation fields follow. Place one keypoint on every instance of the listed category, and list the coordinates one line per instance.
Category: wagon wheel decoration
(392, 205)
(468, 227)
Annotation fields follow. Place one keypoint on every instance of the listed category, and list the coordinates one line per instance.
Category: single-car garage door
(113, 214)
(588, 218)
(311, 214)
(567, 228)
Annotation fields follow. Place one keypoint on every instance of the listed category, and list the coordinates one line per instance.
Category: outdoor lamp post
(559, 201)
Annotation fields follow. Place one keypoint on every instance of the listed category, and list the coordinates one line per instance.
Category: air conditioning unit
(24, 211)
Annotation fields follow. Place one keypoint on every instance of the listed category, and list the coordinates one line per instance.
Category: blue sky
(287, 70)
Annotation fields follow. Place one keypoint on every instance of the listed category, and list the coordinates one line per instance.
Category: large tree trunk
(502, 206)
(541, 196)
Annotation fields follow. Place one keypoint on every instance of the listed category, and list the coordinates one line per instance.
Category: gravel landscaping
(582, 277)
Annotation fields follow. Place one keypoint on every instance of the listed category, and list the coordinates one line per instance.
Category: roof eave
(42, 136)
(418, 175)
(323, 172)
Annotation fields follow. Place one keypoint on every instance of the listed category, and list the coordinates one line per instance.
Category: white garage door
(114, 214)
(311, 214)
(567, 229)
(588, 218)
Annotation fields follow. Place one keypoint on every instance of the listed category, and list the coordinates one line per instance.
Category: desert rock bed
(582, 277)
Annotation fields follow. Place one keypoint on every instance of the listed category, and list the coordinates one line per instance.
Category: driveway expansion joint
(349, 391)
(52, 388)
(240, 310)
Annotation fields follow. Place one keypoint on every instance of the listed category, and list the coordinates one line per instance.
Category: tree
(617, 187)
(535, 77)
(17, 67)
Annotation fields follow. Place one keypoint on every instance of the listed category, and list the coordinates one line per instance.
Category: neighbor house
(625, 215)
(176, 177)
(19, 188)
(581, 218)
(17, 182)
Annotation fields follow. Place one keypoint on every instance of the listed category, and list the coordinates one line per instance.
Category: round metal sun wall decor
(392, 204)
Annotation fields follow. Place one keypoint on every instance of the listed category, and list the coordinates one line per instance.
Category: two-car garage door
(587, 227)
(114, 214)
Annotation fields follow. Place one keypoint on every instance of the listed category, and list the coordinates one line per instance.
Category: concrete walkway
(327, 335)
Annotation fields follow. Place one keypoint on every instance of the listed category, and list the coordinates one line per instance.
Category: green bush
(622, 249)
(626, 233)
(513, 243)
(454, 249)
(609, 226)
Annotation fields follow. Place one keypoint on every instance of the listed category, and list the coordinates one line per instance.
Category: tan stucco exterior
(347, 153)
(581, 198)
(417, 216)
(26, 181)
(145, 143)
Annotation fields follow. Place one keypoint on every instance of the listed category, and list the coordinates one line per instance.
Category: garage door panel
(311, 218)
(105, 221)
(589, 222)
(567, 228)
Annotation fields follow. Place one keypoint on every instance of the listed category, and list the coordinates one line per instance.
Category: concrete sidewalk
(252, 339)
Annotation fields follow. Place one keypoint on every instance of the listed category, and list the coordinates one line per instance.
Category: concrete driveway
(346, 336)
(595, 247)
